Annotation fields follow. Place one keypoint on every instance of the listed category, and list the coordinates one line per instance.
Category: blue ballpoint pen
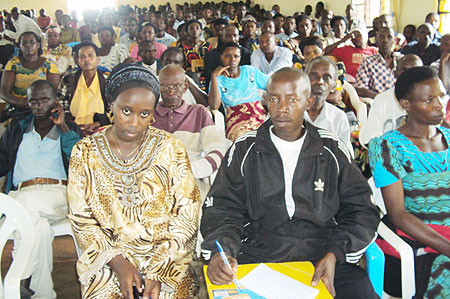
(225, 260)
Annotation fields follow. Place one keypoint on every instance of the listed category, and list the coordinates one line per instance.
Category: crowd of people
(159, 131)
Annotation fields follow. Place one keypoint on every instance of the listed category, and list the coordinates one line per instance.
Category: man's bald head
(287, 99)
(172, 70)
(406, 62)
(230, 34)
(173, 85)
(445, 38)
(293, 75)
(385, 20)
(445, 44)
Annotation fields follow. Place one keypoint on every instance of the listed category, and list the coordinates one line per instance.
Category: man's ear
(333, 86)
(405, 104)
(310, 102)
(185, 85)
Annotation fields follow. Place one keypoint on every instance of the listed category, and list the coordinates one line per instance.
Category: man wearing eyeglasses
(192, 124)
(34, 157)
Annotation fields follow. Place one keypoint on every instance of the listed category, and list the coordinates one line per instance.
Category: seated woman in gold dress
(133, 201)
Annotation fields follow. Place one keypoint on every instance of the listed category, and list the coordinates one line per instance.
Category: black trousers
(352, 282)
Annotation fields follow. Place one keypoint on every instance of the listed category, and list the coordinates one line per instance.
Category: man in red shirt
(352, 56)
(43, 20)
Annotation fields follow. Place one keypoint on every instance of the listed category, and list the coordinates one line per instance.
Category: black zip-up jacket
(245, 209)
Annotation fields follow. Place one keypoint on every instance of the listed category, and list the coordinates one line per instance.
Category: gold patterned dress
(145, 209)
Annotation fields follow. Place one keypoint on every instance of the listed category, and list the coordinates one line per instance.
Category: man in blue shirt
(34, 155)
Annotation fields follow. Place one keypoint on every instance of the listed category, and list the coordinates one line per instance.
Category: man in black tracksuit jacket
(246, 209)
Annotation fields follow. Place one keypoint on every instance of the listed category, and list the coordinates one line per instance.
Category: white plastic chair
(360, 106)
(63, 228)
(403, 248)
(17, 219)
(219, 122)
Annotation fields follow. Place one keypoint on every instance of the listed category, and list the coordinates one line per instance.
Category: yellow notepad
(300, 271)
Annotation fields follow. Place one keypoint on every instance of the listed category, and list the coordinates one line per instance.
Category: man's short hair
(409, 78)
(322, 59)
(113, 33)
(220, 21)
(229, 45)
(430, 15)
(267, 20)
(412, 27)
(445, 37)
(145, 43)
(172, 50)
(428, 25)
(181, 28)
(41, 83)
(133, 20)
(336, 19)
(192, 22)
(289, 17)
(311, 41)
(278, 15)
(147, 24)
(265, 32)
(77, 48)
(300, 18)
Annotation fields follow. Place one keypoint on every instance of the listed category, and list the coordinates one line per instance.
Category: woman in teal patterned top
(411, 165)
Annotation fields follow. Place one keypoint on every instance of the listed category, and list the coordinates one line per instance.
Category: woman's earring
(152, 121)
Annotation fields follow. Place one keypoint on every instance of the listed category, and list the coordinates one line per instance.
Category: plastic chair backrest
(360, 107)
(17, 219)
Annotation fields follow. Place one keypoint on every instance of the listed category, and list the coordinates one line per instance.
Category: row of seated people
(127, 180)
(374, 75)
(124, 33)
(93, 105)
(236, 92)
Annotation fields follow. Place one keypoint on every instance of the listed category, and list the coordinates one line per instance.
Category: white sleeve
(374, 124)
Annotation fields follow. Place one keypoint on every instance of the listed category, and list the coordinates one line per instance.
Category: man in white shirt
(386, 114)
(289, 29)
(162, 36)
(179, 18)
(147, 51)
(323, 72)
(352, 22)
(131, 28)
(269, 58)
(23, 24)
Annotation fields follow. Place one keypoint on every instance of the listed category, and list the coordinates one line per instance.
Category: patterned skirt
(243, 118)
(438, 285)
(105, 285)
